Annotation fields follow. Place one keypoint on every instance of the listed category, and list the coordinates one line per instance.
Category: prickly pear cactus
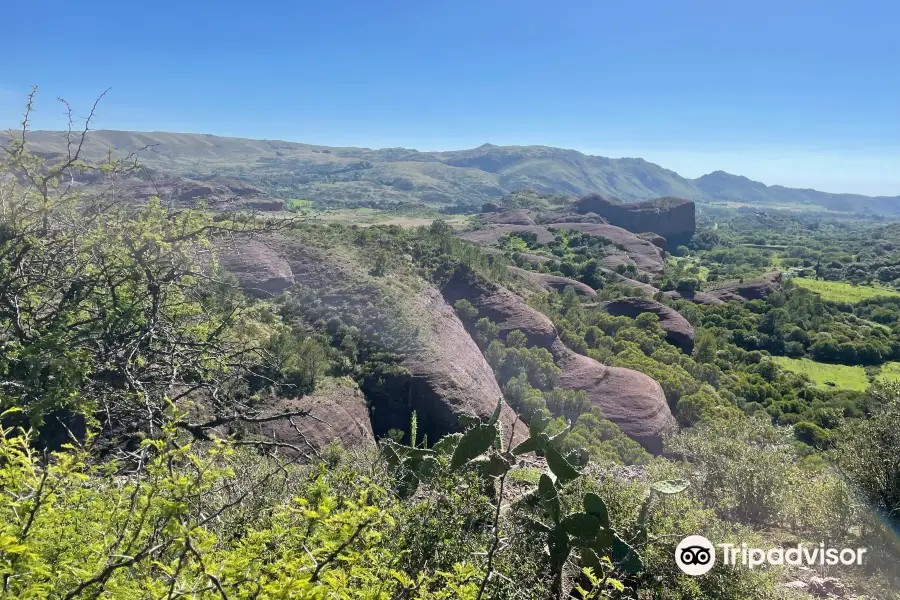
(412, 464)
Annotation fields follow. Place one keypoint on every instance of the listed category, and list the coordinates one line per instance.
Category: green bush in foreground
(152, 527)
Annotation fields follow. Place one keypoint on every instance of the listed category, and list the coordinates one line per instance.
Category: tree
(705, 346)
(111, 308)
(869, 451)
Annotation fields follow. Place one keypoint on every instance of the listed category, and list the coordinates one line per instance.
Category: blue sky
(795, 92)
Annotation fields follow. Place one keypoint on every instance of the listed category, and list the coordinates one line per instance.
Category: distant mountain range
(461, 177)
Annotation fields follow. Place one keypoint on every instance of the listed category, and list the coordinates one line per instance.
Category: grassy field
(837, 291)
(889, 372)
(843, 376)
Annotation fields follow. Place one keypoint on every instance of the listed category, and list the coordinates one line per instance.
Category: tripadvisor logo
(696, 555)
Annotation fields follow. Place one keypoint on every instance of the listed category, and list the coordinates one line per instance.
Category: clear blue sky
(795, 92)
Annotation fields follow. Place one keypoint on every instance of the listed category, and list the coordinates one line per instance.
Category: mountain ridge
(466, 177)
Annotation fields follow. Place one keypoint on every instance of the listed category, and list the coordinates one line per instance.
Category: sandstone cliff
(672, 218)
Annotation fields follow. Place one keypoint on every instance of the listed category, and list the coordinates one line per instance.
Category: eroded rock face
(631, 400)
(750, 290)
(445, 374)
(679, 332)
(642, 253)
(672, 218)
(335, 411)
(450, 376)
(260, 270)
(511, 217)
(655, 239)
(490, 234)
(646, 288)
(555, 282)
(502, 307)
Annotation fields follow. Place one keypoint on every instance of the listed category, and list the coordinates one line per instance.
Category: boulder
(259, 269)
(631, 400)
(672, 218)
(750, 290)
(646, 288)
(511, 217)
(642, 253)
(555, 282)
(679, 332)
(823, 587)
(655, 239)
(449, 375)
(490, 234)
(335, 411)
(501, 306)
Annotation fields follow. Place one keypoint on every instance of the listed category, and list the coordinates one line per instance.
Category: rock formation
(679, 332)
(640, 252)
(490, 234)
(259, 270)
(672, 218)
(335, 411)
(631, 400)
(442, 377)
(512, 217)
(555, 282)
(449, 375)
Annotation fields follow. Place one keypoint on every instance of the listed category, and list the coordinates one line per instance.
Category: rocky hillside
(440, 372)
(464, 177)
(672, 218)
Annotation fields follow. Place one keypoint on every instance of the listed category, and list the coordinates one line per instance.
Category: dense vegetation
(130, 362)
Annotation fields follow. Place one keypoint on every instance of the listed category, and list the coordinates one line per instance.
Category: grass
(843, 376)
(890, 371)
(838, 291)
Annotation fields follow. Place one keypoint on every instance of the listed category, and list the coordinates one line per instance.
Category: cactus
(589, 532)
(413, 464)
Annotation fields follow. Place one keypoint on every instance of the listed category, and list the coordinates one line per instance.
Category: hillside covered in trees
(468, 178)
(232, 402)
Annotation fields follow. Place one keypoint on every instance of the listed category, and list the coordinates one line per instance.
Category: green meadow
(842, 376)
(836, 291)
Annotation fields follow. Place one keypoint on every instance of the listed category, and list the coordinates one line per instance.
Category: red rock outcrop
(644, 255)
(631, 400)
(447, 374)
(450, 376)
(672, 218)
(555, 282)
(512, 217)
(679, 332)
(260, 270)
(490, 234)
(335, 411)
